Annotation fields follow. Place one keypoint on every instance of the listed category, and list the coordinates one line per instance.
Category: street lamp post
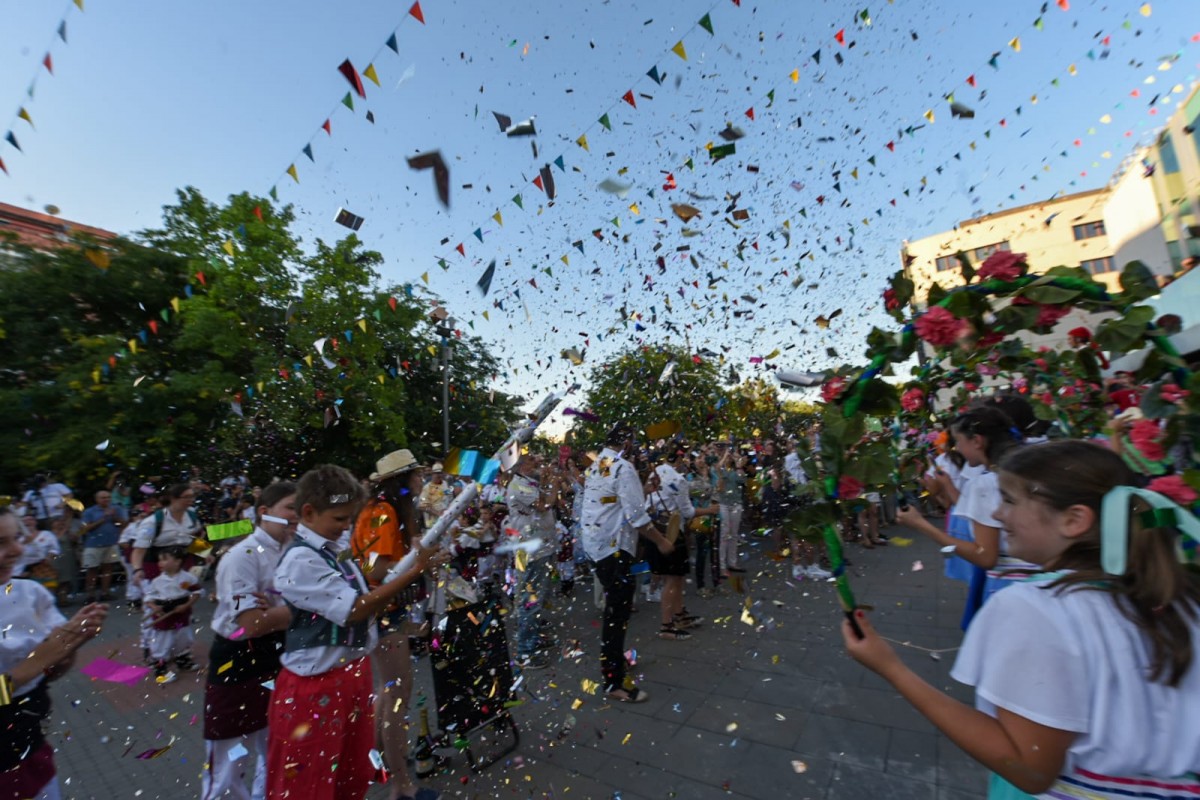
(446, 330)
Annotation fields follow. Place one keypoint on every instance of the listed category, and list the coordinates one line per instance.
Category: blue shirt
(106, 534)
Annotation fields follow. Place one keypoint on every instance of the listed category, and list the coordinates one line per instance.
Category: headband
(1114, 523)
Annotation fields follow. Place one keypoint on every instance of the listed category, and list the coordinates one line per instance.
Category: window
(946, 263)
(1166, 154)
(1098, 266)
(1088, 230)
(980, 254)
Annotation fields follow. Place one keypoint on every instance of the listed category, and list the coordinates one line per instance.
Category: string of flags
(357, 89)
(46, 67)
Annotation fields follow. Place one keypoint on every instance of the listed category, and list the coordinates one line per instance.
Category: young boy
(169, 601)
(321, 723)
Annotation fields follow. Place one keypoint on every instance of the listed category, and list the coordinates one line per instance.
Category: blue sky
(151, 96)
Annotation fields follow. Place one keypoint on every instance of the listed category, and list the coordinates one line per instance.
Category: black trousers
(618, 584)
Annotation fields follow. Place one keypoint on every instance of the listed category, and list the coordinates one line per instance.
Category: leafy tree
(198, 346)
(629, 388)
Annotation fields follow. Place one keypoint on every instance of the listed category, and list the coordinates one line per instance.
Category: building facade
(42, 231)
(1173, 165)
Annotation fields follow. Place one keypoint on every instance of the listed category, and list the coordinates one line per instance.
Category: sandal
(673, 633)
(634, 695)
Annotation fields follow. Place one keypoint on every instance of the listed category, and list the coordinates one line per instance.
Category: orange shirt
(377, 532)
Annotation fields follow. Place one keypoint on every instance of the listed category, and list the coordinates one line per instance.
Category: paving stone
(855, 783)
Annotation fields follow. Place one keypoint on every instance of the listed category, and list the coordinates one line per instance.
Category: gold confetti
(731, 727)
(901, 541)
(799, 767)
(589, 686)
(576, 704)
(628, 736)
(228, 665)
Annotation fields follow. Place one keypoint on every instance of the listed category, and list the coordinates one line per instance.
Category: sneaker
(816, 573)
(163, 676)
(538, 660)
(545, 642)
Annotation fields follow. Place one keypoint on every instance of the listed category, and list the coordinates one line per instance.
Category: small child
(169, 601)
(566, 559)
(322, 724)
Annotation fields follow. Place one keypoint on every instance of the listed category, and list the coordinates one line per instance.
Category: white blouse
(27, 617)
(1070, 660)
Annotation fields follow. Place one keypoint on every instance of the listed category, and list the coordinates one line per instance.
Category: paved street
(759, 706)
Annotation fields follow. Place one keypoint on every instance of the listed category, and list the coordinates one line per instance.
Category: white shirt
(174, 533)
(1072, 661)
(530, 524)
(44, 546)
(307, 581)
(613, 507)
(27, 617)
(248, 568)
(492, 493)
(676, 485)
(791, 465)
(172, 587)
(980, 498)
(48, 501)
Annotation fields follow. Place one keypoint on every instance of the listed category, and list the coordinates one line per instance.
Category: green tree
(754, 408)
(198, 346)
(629, 388)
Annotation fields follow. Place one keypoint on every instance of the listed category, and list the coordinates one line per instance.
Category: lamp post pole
(446, 330)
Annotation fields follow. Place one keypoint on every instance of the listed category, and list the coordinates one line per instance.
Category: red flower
(832, 388)
(989, 339)
(849, 487)
(1047, 398)
(1174, 487)
(1145, 435)
(889, 300)
(912, 400)
(1049, 315)
(1040, 363)
(939, 327)
(1001, 265)
(1173, 394)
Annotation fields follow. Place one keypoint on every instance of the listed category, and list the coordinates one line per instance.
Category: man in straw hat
(384, 532)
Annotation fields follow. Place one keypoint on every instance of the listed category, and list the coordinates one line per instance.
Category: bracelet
(6, 689)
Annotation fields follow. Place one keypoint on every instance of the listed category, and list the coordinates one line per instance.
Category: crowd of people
(1081, 621)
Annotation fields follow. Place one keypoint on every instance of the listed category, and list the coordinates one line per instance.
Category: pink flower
(1047, 398)
(912, 400)
(849, 487)
(1040, 363)
(1173, 394)
(1067, 391)
(832, 388)
(1049, 315)
(987, 369)
(1145, 435)
(1174, 487)
(1001, 265)
(939, 327)
(1020, 382)
(889, 300)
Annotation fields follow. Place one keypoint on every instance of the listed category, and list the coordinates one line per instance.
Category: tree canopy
(219, 341)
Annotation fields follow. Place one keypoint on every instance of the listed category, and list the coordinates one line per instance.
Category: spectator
(435, 496)
(46, 499)
(102, 524)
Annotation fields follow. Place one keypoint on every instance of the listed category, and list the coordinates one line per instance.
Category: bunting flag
(12, 139)
(415, 11)
(62, 31)
(706, 23)
(628, 98)
(291, 170)
(23, 114)
(48, 63)
(393, 44)
(370, 74)
(679, 50)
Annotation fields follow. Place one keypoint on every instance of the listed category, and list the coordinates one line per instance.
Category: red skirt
(321, 731)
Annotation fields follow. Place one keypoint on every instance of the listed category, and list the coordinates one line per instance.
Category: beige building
(1066, 231)
(1173, 165)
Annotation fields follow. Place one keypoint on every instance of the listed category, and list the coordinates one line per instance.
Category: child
(41, 548)
(169, 600)
(321, 723)
(249, 624)
(1086, 678)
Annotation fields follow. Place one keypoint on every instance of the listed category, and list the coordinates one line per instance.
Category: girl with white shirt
(249, 623)
(37, 647)
(983, 435)
(1087, 681)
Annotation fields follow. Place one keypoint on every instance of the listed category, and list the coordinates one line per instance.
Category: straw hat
(394, 463)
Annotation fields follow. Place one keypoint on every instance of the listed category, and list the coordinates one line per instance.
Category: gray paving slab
(761, 703)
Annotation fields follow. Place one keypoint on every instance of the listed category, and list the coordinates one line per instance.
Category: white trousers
(225, 776)
(166, 645)
(731, 523)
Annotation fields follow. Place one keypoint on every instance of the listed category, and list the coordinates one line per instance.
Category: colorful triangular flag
(679, 50)
(12, 139)
(654, 76)
(307, 150)
(706, 23)
(628, 98)
(48, 63)
(604, 121)
(392, 43)
(291, 170)
(416, 12)
(369, 73)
